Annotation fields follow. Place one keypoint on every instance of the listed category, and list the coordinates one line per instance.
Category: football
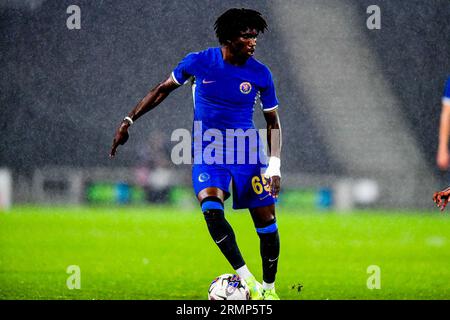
(228, 287)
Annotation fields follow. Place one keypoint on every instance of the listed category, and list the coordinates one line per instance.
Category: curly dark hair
(233, 21)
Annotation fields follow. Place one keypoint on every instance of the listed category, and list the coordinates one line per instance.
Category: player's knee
(269, 226)
(212, 208)
(263, 216)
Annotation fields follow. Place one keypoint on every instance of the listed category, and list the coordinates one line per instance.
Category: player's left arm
(443, 157)
(274, 141)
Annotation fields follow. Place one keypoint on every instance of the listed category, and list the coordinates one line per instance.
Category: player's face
(245, 44)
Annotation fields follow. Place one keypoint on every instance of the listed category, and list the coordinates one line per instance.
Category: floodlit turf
(166, 253)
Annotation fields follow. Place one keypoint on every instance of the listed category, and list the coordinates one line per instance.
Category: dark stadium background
(63, 92)
(359, 110)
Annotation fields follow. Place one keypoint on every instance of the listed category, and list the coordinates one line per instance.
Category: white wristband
(274, 167)
(130, 121)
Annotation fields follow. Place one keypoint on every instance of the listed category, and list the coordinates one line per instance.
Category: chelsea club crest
(203, 177)
(245, 87)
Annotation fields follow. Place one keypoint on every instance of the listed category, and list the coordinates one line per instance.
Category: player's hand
(443, 159)
(441, 198)
(120, 138)
(275, 185)
(273, 174)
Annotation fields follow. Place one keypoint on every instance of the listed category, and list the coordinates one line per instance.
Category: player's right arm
(149, 102)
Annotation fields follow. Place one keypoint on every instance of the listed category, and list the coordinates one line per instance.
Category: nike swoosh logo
(264, 197)
(206, 81)
(222, 239)
(272, 260)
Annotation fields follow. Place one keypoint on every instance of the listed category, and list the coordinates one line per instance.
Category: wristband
(274, 167)
(130, 121)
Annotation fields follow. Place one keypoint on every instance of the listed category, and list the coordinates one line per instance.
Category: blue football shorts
(250, 188)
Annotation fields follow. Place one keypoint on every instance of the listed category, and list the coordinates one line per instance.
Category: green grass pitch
(158, 252)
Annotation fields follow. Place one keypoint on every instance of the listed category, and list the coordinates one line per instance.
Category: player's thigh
(250, 189)
(210, 181)
(262, 214)
(211, 192)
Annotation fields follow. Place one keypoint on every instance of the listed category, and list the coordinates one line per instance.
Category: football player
(226, 81)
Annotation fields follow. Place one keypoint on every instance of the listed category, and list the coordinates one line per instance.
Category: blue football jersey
(446, 96)
(224, 95)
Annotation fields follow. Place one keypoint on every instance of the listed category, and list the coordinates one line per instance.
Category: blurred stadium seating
(355, 104)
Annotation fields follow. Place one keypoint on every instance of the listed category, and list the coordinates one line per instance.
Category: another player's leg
(211, 200)
(266, 227)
